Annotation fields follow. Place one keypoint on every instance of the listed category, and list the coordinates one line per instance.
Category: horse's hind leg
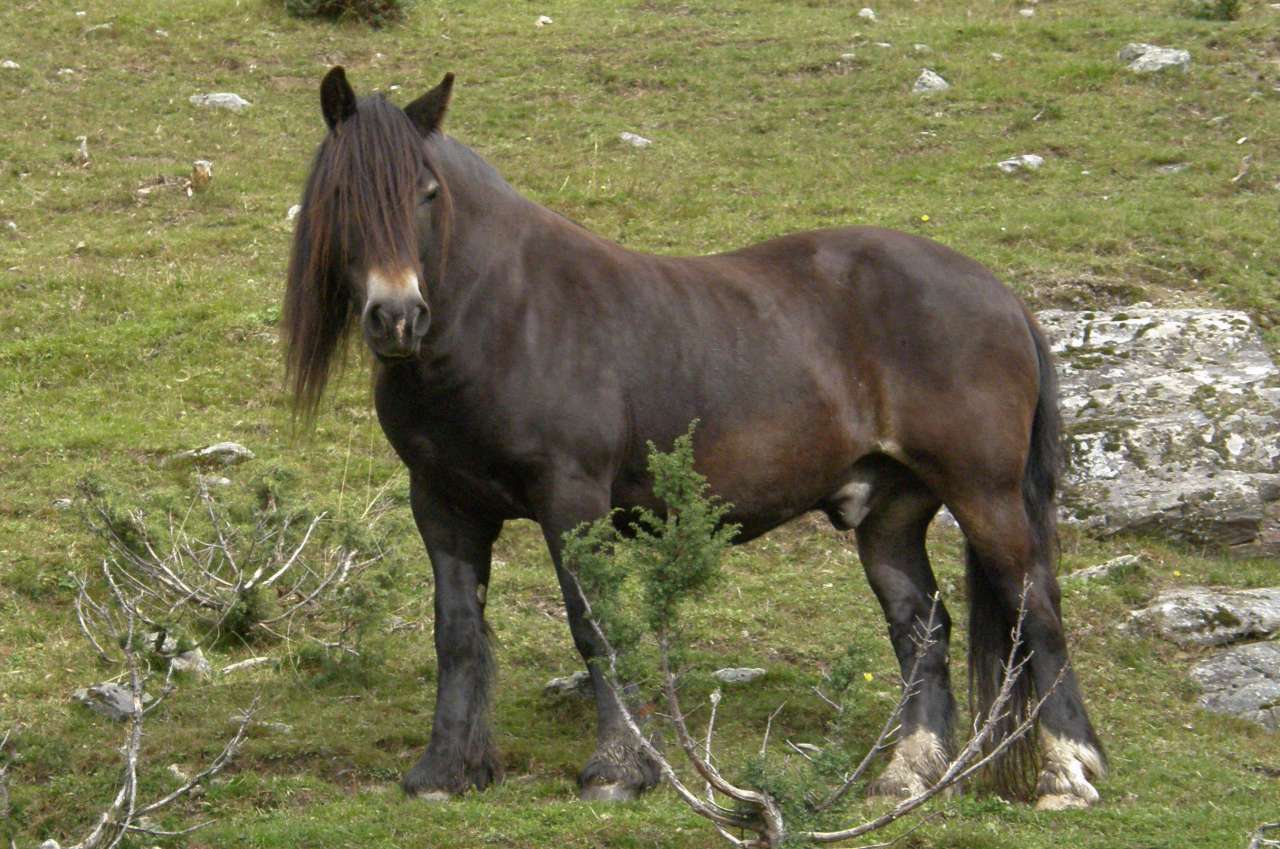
(1006, 554)
(891, 545)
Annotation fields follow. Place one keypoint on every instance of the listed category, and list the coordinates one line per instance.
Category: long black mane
(362, 191)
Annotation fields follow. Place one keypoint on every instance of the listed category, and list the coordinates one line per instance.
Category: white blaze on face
(390, 285)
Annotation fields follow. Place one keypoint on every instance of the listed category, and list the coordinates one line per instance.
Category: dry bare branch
(1260, 839)
(218, 577)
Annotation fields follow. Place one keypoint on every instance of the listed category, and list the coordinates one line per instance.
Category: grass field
(134, 325)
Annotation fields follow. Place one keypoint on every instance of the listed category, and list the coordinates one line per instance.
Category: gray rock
(867, 14)
(50, 844)
(1244, 682)
(1171, 419)
(1027, 12)
(10, 65)
(635, 140)
(220, 100)
(578, 684)
(1024, 162)
(1171, 168)
(110, 700)
(224, 453)
(929, 83)
(161, 642)
(738, 675)
(211, 481)
(1148, 58)
(1122, 565)
(192, 662)
(1204, 616)
(62, 503)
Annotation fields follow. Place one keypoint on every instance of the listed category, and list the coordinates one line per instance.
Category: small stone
(82, 151)
(161, 642)
(201, 173)
(66, 72)
(220, 100)
(738, 674)
(1123, 565)
(578, 684)
(10, 65)
(922, 48)
(635, 140)
(62, 503)
(293, 212)
(1027, 13)
(110, 700)
(209, 481)
(193, 662)
(867, 14)
(1027, 161)
(883, 44)
(543, 21)
(1172, 168)
(1148, 58)
(226, 453)
(848, 57)
(929, 82)
(996, 57)
(50, 844)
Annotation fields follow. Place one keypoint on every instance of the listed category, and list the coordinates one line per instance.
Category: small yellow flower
(1177, 574)
(867, 676)
(924, 218)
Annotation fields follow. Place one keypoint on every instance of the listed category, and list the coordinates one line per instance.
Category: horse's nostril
(421, 319)
(376, 320)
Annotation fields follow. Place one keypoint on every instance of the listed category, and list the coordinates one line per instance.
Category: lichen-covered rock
(578, 685)
(1204, 616)
(1171, 419)
(1244, 682)
(738, 674)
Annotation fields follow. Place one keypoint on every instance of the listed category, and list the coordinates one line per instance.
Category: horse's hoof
(613, 791)
(1063, 802)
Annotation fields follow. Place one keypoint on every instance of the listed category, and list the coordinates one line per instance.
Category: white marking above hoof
(1063, 802)
(611, 792)
(434, 796)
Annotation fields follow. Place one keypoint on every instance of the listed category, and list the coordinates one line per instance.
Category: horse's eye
(429, 195)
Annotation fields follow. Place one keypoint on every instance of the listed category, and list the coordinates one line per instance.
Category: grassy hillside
(135, 324)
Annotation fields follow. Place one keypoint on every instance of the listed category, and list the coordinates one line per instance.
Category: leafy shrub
(375, 13)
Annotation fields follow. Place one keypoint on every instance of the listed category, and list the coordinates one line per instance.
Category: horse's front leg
(461, 754)
(618, 770)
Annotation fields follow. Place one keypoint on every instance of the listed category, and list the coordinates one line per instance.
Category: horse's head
(371, 235)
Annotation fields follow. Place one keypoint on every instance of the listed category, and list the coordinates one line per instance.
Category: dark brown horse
(522, 363)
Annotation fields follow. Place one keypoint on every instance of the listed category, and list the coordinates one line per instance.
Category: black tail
(990, 626)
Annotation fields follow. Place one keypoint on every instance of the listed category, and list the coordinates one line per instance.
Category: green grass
(134, 326)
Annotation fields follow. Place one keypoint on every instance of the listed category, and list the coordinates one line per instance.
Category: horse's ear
(427, 112)
(337, 99)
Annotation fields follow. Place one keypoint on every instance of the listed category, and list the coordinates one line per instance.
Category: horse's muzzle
(394, 327)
